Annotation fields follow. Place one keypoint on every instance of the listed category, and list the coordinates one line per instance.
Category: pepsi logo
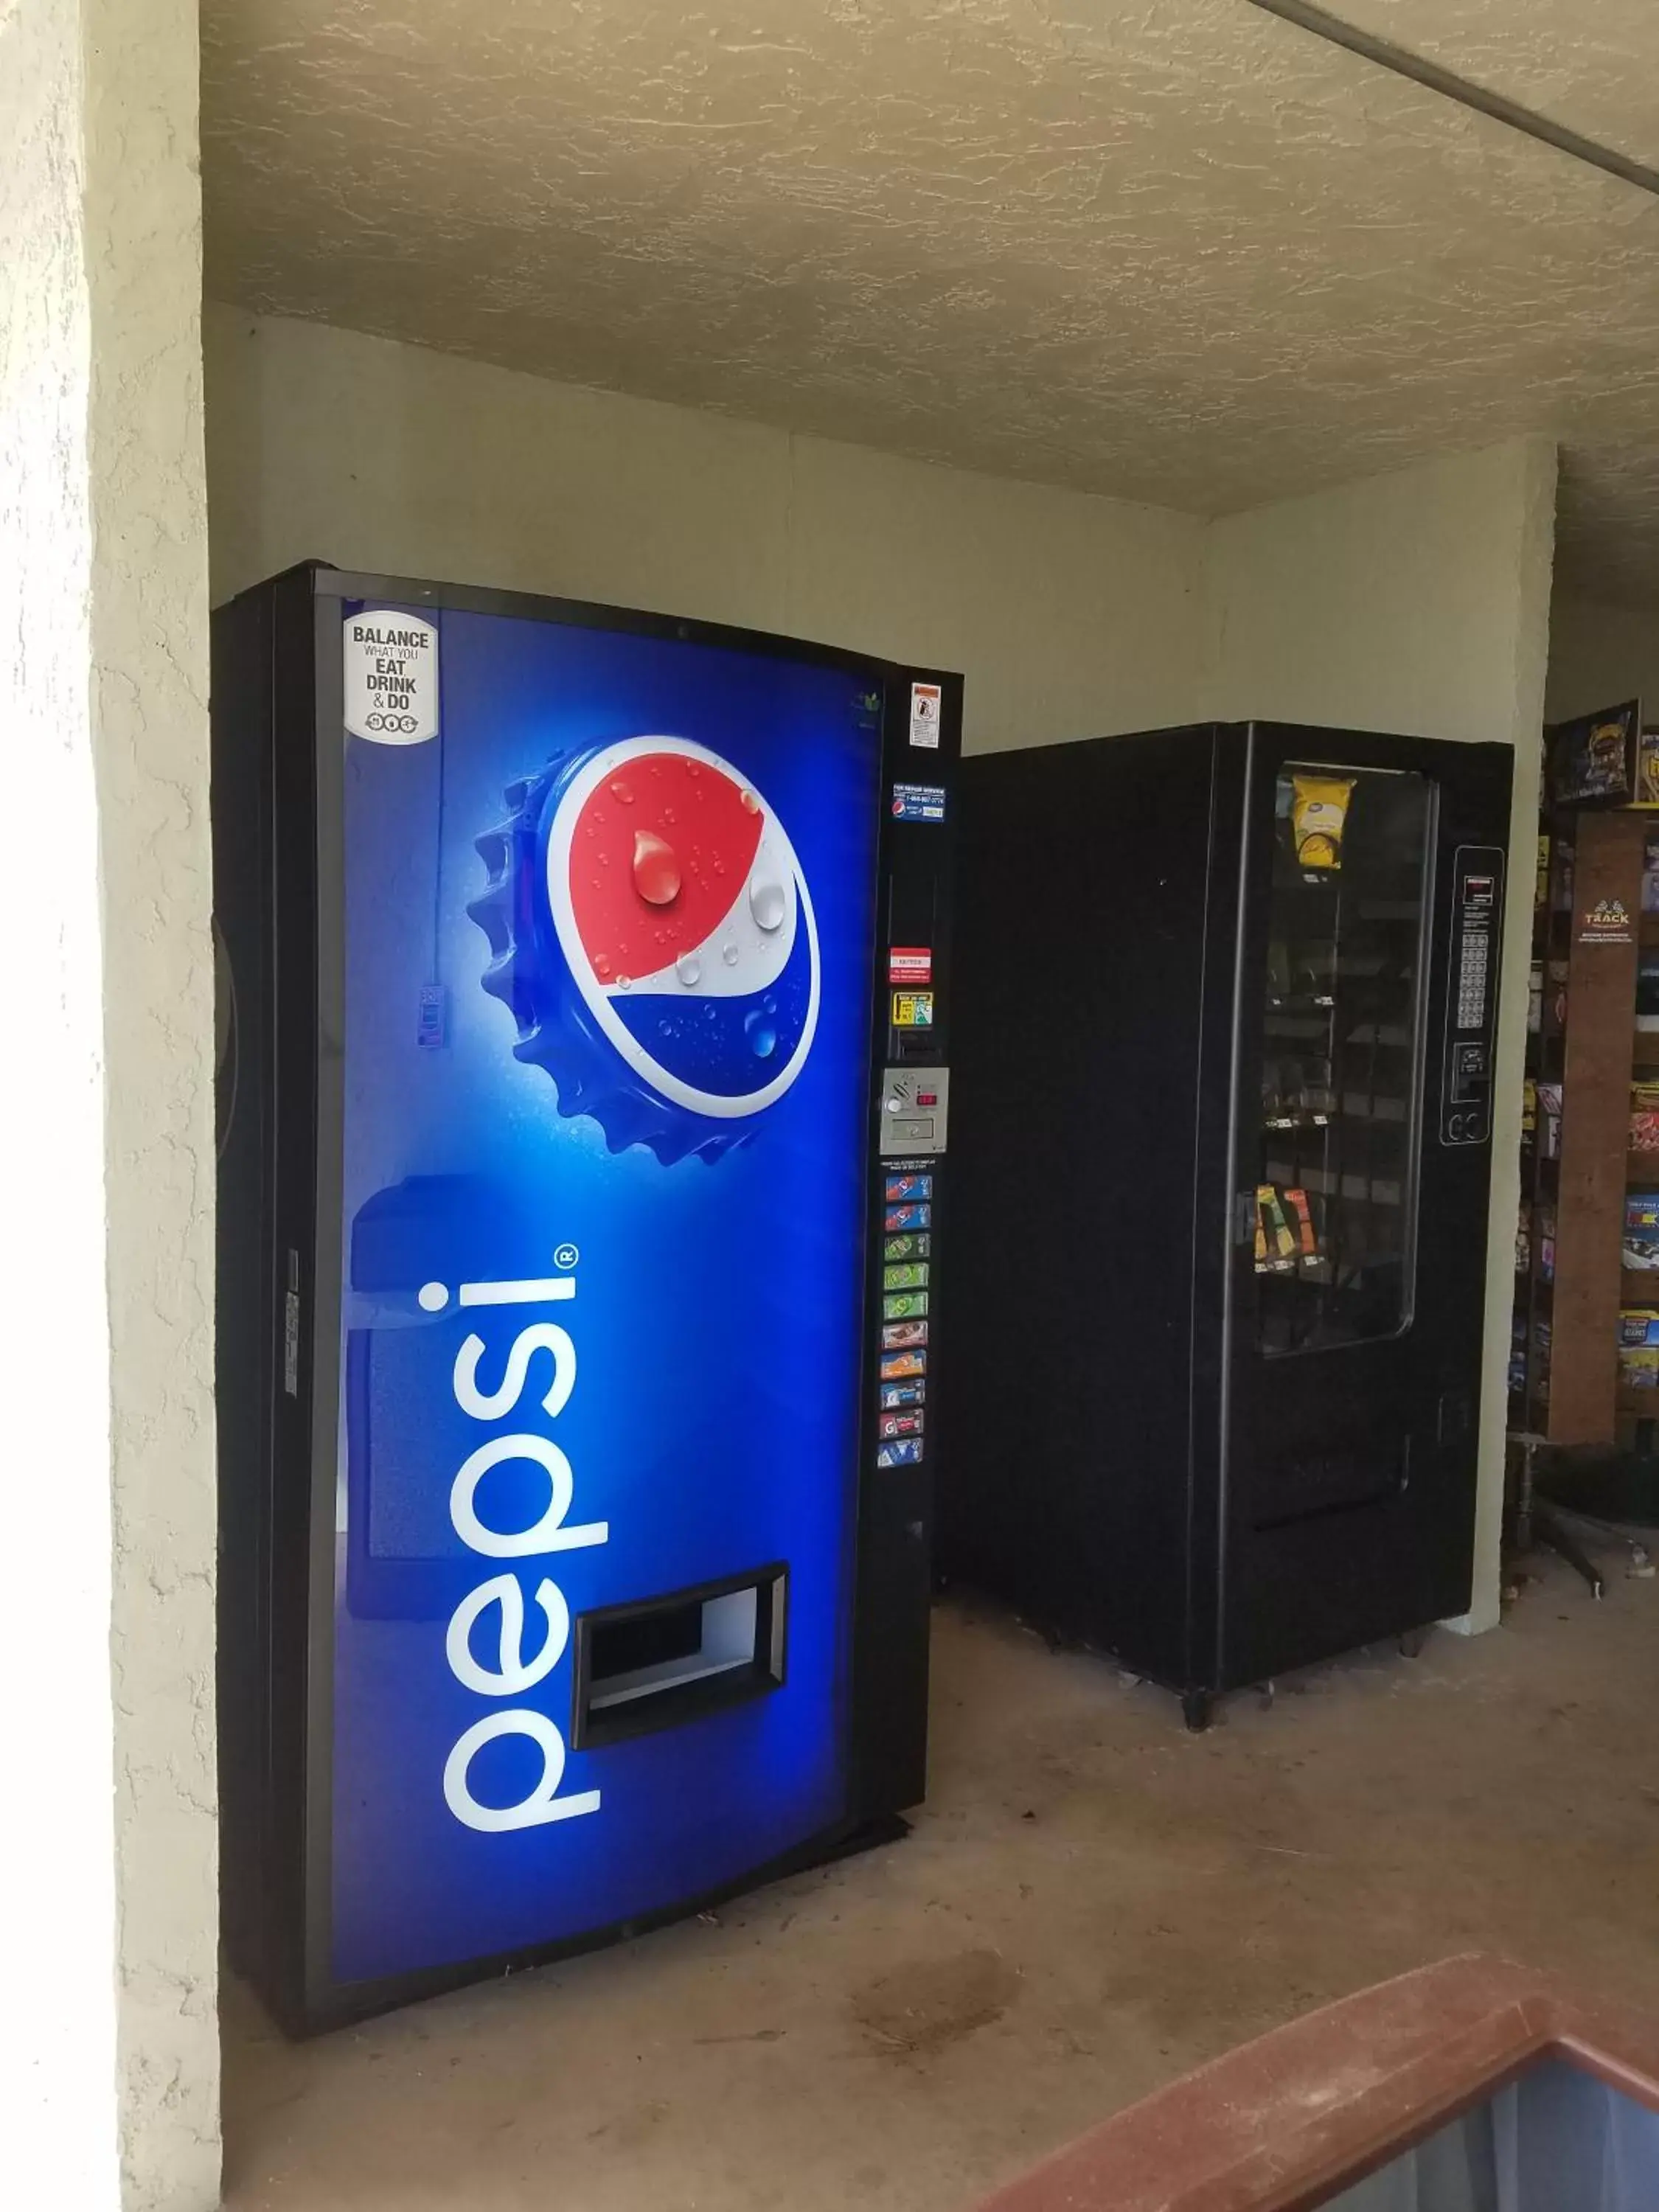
(685, 923)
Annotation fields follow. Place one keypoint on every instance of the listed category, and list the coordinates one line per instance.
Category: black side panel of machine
(264, 738)
(891, 1615)
(1350, 1451)
(1085, 873)
(241, 802)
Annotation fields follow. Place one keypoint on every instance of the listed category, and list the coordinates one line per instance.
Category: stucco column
(108, 2027)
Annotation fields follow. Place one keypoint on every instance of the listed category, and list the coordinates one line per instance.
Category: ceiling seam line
(1421, 70)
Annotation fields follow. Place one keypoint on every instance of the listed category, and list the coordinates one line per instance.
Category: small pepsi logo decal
(686, 924)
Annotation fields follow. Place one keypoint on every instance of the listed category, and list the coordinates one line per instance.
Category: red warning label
(910, 963)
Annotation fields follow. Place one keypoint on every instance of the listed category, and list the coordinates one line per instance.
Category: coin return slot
(670, 1660)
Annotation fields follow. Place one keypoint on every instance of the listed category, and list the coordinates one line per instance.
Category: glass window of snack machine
(1341, 1074)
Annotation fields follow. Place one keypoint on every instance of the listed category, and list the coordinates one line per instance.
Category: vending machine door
(602, 994)
(1361, 1162)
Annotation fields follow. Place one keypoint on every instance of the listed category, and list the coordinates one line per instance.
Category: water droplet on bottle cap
(763, 1038)
(623, 793)
(766, 901)
(689, 969)
(729, 953)
(601, 967)
(656, 869)
(750, 804)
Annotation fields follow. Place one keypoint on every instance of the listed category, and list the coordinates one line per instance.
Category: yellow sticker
(912, 1010)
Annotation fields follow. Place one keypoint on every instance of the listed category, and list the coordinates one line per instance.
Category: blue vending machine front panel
(609, 938)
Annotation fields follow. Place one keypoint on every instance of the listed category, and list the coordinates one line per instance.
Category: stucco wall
(57, 2124)
(1416, 602)
(1402, 593)
(106, 1410)
(1069, 614)
(149, 706)
(1600, 654)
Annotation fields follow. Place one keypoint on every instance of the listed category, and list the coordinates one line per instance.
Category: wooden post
(1589, 1213)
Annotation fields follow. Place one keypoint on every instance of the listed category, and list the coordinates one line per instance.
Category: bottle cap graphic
(654, 936)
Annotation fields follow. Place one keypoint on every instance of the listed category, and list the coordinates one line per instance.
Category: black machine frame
(1123, 1462)
(278, 862)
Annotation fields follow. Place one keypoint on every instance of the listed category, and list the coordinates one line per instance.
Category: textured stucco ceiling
(1588, 64)
(1173, 249)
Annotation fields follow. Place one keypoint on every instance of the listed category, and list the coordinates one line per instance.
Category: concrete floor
(1092, 1902)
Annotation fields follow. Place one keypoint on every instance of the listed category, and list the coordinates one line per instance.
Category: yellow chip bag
(1319, 808)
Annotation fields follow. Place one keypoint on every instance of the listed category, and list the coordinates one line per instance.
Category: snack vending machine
(584, 986)
(1224, 1042)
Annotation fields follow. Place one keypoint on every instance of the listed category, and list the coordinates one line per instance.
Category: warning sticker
(926, 705)
(910, 963)
(390, 677)
(912, 1010)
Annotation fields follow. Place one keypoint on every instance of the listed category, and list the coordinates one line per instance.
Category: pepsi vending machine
(584, 991)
